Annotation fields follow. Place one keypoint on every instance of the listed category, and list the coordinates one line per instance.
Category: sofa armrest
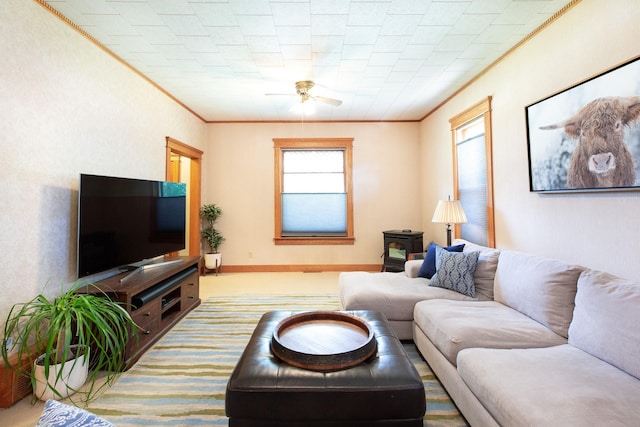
(412, 268)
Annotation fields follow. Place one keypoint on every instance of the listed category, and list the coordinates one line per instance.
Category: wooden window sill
(314, 240)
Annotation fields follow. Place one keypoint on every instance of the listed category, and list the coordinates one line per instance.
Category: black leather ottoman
(385, 390)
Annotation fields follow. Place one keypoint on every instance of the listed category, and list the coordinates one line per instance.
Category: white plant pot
(71, 378)
(212, 261)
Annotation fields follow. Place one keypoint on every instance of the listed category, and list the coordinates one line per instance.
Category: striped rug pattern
(181, 380)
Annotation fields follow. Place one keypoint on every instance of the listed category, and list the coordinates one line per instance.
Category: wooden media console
(156, 297)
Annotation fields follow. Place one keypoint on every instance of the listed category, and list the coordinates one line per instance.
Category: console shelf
(156, 298)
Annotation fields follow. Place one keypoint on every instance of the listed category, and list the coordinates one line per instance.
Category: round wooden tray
(323, 340)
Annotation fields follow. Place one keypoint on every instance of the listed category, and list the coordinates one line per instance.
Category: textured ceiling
(386, 60)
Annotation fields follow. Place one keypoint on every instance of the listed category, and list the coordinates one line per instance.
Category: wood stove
(398, 244)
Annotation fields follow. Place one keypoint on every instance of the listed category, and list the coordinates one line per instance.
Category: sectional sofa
(538, 342)
(396, 294)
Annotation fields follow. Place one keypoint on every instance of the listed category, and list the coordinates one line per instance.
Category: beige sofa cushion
(553, 386)
(541, 288)
(606, 320)
(455, 325)
(394, 294)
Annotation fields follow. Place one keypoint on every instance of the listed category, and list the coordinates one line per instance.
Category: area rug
(181, 380)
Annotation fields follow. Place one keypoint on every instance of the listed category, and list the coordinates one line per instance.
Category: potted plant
(210, 214)
(73, 331)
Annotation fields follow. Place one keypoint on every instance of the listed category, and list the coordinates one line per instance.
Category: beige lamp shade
(449, 212)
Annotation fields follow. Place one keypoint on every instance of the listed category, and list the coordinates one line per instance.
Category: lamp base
(448, 234)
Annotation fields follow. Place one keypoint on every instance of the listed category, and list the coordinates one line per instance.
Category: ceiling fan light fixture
(306, 104)
(305, 107)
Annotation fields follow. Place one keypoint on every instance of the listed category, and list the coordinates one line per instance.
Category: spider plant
(53, 327)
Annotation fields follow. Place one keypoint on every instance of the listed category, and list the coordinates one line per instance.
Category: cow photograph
(587, 138)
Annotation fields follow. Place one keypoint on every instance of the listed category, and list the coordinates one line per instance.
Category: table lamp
(449, 212)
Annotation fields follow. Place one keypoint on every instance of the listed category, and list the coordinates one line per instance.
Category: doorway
(183, 164)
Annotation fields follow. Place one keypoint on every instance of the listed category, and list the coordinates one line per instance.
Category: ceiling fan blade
(326, 100)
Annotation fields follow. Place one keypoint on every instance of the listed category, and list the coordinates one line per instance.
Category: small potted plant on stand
(210, 214)
(68, 336)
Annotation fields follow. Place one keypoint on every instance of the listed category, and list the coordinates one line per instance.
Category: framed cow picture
(587, 137)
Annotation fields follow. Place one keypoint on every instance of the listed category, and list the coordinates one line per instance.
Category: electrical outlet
(250, 254)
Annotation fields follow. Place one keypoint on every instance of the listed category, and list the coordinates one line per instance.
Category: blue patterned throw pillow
(57, 414)
(428, 267)
(454, 271)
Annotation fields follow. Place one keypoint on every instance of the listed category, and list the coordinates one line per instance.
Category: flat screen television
(124, 222)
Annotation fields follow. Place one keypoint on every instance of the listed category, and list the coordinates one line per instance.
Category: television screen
(123, 221)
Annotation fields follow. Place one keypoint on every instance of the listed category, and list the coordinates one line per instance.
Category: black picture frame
(577, 138)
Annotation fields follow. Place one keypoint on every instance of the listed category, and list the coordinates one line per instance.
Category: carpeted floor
(181, 381)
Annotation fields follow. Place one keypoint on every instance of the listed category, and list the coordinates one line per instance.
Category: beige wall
(240, 175)
(600, 231)
(67, 108)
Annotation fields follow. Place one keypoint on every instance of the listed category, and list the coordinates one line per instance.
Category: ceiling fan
(303, 89)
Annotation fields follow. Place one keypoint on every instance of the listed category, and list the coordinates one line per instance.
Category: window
(313, 195)
(473, 183)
